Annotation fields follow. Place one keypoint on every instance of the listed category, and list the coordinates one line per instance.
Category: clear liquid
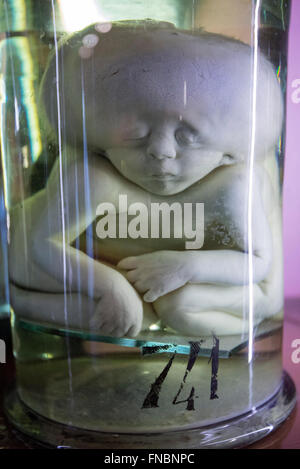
(68, 370)
(103, 387)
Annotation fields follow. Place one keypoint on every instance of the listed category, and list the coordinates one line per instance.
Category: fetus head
(166, 107)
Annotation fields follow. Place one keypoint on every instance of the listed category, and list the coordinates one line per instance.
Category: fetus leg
(65, 310)
(206, 309)
(72, 310)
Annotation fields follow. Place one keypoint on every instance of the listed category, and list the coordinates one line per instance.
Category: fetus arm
(113, 306)
(253, 238)
(159, 273)
(56, 225)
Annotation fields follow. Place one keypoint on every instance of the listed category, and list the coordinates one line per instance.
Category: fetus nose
(161, 147)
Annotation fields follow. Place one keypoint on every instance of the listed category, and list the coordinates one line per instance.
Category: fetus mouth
(163, 176)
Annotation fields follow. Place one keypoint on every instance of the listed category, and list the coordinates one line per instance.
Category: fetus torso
(220, 230)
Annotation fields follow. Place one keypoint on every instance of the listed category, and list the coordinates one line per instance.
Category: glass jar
(4, 288)
(143, 148)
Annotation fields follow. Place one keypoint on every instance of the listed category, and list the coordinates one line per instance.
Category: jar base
(234, 433)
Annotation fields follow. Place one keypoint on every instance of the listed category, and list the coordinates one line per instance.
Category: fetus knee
(179, 311)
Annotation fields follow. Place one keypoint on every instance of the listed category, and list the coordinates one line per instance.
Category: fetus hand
(119, 311)
(157, 273)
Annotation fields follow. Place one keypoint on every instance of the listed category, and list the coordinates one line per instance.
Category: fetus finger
(140, 286)
(127, 263)
(133, 331)
(118, 332)
(97, 322)
(106, 329)
(132, 276)
(151, 296)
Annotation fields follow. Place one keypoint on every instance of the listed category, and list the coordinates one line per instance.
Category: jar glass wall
(142, 147)
(4, 288)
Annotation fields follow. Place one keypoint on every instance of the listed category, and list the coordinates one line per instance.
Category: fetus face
(162, 145)
(167, 159)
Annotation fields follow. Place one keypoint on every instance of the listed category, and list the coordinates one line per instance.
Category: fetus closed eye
(187, 137)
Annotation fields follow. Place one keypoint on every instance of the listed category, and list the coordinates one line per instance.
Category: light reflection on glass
(75, 17)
